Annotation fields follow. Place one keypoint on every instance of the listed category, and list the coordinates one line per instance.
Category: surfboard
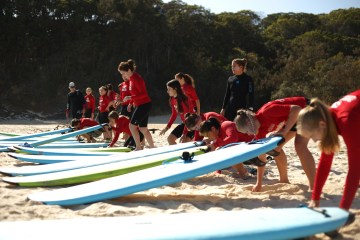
(64, 136)
(71, 151)
(64, 166)
(45, 159)
(28, 136)
(89, 174)
(256, 224)
(156, 176)
(59, 145)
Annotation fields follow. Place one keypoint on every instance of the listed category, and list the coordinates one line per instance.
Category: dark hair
(240, 61)
(75, 122)
(206, 126)
(109, 86)
(125, 66)
(187, 78)
(191, 119)
(113, 115)
(180, 96)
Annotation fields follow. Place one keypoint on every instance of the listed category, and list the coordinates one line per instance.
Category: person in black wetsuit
(239, 90)
(75, 103)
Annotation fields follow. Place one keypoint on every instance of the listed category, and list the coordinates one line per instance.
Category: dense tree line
(46, 44)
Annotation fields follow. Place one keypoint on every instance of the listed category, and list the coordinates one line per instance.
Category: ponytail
(309, 119)
(242, 118)
(125, 66)
(187, 78)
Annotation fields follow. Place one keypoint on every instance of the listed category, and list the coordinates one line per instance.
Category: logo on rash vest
(273, 127)
(347, 98)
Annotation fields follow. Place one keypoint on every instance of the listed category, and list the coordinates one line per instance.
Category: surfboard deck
(64, 136)
(13, 137)
(264, 224)
(73, 151)
(157, 176)
(64, 166)
(89, 174)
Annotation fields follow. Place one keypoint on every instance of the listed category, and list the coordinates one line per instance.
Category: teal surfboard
(256, 224)
(168, 173)
(89, 174)
(66, 135)
(34, 135)
(88, 162)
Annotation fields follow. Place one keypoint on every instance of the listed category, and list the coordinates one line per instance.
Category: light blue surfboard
(34, 135)
(48, 159)
(93, 161)
(66, 135)
(256, 224)
(157, 176)
(63, 151)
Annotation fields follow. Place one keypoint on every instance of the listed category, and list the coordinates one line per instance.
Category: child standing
(140, 99)
(90, 104)
(104, 104)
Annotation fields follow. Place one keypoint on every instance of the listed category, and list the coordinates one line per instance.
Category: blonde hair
(242, 118)
(308, 120)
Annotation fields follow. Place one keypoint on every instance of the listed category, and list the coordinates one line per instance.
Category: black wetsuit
(75, 104)
(239, 94)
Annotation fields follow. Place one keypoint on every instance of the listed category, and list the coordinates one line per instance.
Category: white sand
(211, 192)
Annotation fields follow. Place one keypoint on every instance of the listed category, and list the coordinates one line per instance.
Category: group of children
(293, 117)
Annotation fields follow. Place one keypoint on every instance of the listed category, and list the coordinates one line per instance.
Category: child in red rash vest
(322, 123)
(120, 124)
(277, 117)
(193, 120)
(112, 95)
(180, 104)
(123, 92)
(188, 87)
(104, 104)
(90, 103)
(82, 123)
(222, 135)
(140, 100)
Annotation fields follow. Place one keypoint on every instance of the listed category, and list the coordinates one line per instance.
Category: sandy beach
(210, 192)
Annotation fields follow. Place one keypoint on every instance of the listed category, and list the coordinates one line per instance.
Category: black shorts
(124, 111)
(76, 113)
(103, 117)
(130, 142)
(88, 113)
(140, 115)
(178, 131)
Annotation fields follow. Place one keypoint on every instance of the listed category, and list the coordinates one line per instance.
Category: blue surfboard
(66, 135)
(100, 160)
(157, 176)
(262, 224)
(34, 135)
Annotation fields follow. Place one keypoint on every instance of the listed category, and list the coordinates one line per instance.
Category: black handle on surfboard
(187, 157)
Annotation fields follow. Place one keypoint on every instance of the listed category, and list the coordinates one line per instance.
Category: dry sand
(210, 192)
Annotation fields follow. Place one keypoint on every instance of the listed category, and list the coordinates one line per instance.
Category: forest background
(44, 45)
